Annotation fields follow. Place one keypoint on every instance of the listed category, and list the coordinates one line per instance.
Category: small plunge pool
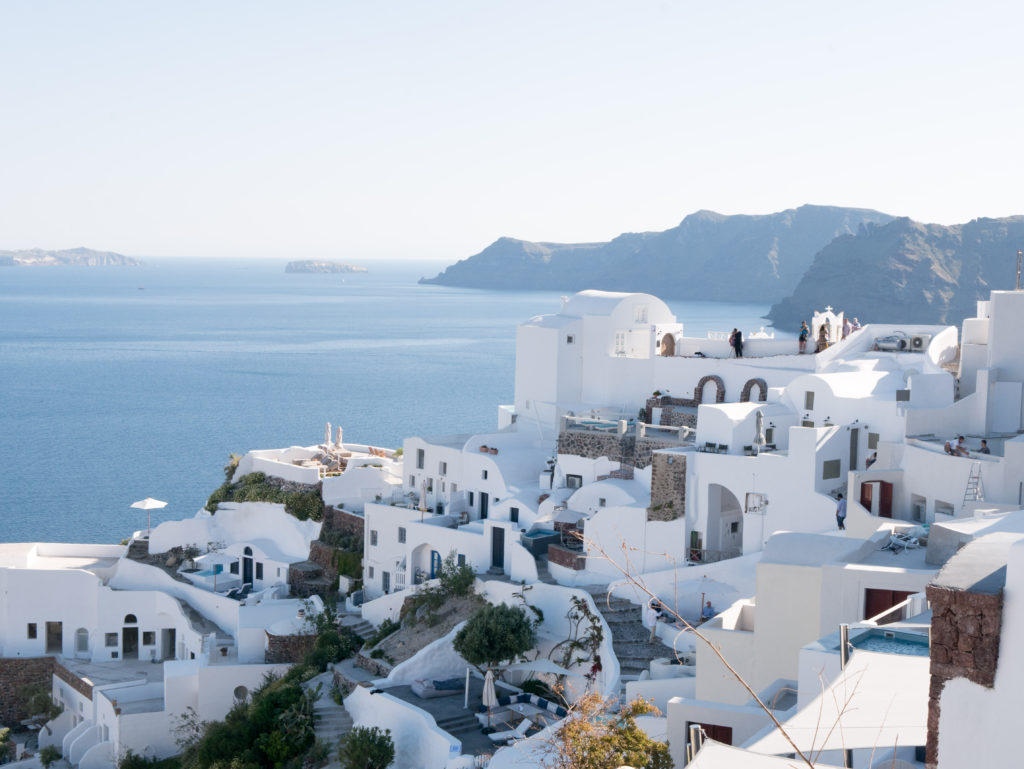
(891, 642)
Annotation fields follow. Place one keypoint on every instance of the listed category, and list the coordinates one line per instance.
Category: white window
(484, 475)
(809, 400)
(830, 469)
(412, 481)
(640, 313)
(401, 534)
(373, 537)
(442, 468)
(420, 458)
(620, 342)
(370, 572)
(570, 339)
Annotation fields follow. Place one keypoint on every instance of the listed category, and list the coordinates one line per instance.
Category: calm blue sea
(122, 383)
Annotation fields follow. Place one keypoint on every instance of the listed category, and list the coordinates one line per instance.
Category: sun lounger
(512, 734)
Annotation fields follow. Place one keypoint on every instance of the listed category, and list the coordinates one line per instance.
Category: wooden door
(866, 491)
(498, 547)
(722, 734)
(885, 499)
(877, 601)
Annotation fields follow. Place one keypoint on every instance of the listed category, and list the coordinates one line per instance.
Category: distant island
(86, 257)
(310, 265)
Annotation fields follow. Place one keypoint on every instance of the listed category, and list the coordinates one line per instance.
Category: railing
(680, 433)
(400, 577)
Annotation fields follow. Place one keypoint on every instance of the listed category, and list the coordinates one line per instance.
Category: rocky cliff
(708, 256)
(905, 271)
(35, 257)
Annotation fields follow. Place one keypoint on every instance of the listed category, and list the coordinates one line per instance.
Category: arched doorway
(247, 566)
(725, 522)
(762, 390)
(668, 346)
(130, 638)
(700, 392)
(82, 643)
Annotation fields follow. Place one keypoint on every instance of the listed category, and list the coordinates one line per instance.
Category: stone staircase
(629, 636)
(461, 725)
(332, 720)
(361, 628)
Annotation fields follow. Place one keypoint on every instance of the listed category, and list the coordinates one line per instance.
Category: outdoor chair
(723, 448)
(512, 734)
(748, 451)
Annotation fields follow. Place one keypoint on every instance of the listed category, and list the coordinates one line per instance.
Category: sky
(369, 130)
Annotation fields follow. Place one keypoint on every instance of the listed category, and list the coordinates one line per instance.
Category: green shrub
(386, 628)
(366, 748)
(494, 634)
(305, 505)
(48, 755)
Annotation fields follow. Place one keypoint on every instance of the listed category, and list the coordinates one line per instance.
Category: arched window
(129, 619)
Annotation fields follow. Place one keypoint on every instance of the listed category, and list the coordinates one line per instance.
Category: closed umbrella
(148, 504)
(490, 699)
(327, 436)
(759, 440)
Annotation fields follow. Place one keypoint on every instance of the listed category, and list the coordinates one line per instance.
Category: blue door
(435, 564)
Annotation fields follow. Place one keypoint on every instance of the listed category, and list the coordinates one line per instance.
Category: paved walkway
(332, 720)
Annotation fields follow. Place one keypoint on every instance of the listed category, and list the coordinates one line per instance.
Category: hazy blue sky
(428, 129)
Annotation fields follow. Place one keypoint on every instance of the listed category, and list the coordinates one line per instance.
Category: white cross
(828, 308)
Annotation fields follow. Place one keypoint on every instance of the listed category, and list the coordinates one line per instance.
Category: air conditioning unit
(920, 342)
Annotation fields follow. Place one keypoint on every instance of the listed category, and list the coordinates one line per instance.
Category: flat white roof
(878, 701)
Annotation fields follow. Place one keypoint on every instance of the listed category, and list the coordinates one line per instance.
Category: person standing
(822, 339)
(804, 333)
(841, 513)
(847, 327)
(652, 619)
(984, 447)
(737, 342)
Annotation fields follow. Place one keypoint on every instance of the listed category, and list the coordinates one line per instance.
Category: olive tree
(494, 634)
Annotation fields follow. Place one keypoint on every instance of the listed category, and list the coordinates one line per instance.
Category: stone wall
(618, 448)
(570, 559)
(323, 556)
(16, 673)
(964, 644)
(378, 667)
(668, 487)
(342, 521)
(288, 648)
(592, 445)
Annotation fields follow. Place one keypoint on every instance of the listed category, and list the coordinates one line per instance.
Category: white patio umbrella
(148, 504)
(489, 699)
(337, 437)
(327, 436)
(759, 440)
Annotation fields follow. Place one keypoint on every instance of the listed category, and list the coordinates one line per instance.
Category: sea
(120, 383)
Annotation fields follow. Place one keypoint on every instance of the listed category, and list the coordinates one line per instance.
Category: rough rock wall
(964, 644)
(668, 487)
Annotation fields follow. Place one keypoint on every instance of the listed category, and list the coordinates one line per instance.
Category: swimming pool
(891, 642)
(540, 533)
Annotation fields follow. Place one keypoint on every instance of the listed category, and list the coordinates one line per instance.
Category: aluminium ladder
(974, 492)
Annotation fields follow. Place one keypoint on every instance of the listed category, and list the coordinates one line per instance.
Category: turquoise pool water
(892, 642)
(540, 533)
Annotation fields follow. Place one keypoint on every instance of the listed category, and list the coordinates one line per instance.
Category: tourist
(804, 333)
(984, 447)
(736, 340)
(847, 327)
(871, 460)
(841, 513)
(822, 339)
(652, 620)
(707, 612)
(856, 324)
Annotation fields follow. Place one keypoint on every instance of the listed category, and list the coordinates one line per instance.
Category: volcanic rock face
(707, 257)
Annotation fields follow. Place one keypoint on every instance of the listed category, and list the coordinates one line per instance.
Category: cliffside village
(814, 515)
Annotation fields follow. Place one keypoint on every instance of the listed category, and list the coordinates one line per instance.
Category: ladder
(974, 492)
